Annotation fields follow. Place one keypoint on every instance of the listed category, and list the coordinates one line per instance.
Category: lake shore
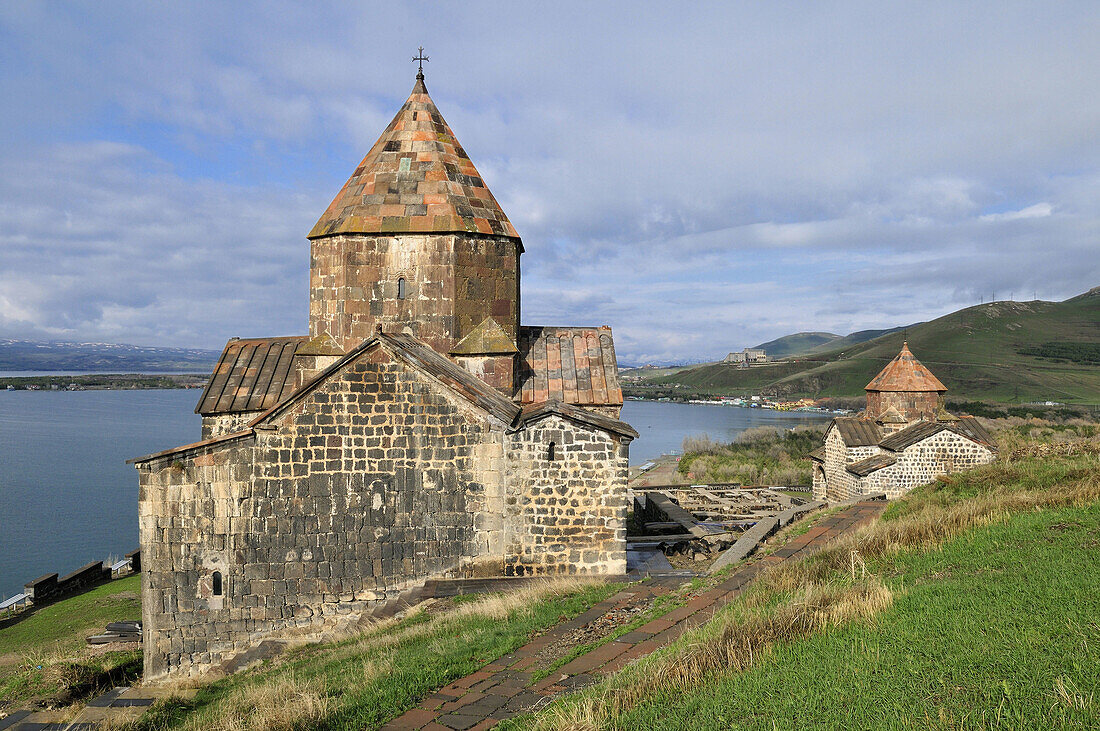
(102, 381)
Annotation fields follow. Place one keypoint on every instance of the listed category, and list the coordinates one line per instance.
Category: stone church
(903, 439)
(418, 430)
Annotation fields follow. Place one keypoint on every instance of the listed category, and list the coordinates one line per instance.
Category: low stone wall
(49, 587)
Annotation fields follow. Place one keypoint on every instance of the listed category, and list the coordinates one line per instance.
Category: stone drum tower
(416, 243)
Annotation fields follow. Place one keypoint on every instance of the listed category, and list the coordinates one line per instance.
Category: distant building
(903, 439)
(748, 355)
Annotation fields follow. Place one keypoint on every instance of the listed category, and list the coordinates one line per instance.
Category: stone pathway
(114, 708)
(503, 688)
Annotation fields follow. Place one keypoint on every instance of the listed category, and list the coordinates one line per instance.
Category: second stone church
(417, 431)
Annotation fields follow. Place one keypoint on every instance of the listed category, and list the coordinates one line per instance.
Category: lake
(68, 497)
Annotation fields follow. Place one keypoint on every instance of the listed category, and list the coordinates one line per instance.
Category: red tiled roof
(252, 375)
(906, 374)
(416, 179)
(572, 364)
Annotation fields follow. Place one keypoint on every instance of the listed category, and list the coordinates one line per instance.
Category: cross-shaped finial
(420, 58)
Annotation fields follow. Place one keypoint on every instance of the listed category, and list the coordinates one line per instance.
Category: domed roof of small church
(906, 374)
(416, 179)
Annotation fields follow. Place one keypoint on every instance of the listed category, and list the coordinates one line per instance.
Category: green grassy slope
(44, 655)
(860, 336)
(976, 352)
(996, 630)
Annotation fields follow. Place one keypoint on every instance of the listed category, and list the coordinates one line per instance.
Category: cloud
(702, 178)
(1039, 210)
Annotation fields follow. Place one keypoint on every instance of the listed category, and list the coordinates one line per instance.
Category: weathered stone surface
(452, 282)
(376, 480)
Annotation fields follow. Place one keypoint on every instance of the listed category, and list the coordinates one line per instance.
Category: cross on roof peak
(420, 58)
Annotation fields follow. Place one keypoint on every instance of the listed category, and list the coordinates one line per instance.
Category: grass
(43, 657)
(363, 681)
(761, 455)
(977, 608)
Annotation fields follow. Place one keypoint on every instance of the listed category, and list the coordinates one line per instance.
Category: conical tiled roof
(905, 373)
(416, 179)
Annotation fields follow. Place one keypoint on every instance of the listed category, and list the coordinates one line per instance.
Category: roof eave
(193, 447)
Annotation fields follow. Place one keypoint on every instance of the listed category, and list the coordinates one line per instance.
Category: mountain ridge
(62, 355)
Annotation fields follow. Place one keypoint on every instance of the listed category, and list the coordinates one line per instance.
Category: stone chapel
(904, 438)
(418, 430)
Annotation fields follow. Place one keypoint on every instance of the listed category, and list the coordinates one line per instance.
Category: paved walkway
(503, 688)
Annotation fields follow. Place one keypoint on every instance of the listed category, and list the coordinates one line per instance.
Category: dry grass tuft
(730, 643)
(492, 606)
(1069, 696)
(288, 703)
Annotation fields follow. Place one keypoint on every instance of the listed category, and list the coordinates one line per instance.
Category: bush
(761, 455)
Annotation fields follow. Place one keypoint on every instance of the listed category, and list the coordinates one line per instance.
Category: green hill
(860, 336)
(1001, 351)
(797, 344)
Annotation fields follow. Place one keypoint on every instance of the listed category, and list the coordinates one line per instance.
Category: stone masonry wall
(368, 486)
(189, 511)
(453, 282)
(920, 463)
(566, 511)
(912, 405)
(840, 484)
(221, 424)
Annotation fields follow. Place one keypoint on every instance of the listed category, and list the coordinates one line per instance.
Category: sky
(701, 177)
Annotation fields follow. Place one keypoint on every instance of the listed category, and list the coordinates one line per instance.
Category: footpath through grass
(363, 681)
(43, 657)
(972, 604)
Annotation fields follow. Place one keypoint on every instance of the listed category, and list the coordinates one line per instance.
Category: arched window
(216, 581)
(550, 451)
(401, 288)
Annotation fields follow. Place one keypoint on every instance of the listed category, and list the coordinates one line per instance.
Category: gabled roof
(857, 432)
(906, 374)
(971, 428)
(910, 435)
(891, 416)
(416, 179)
(479, 392)
(875, 462)
(323, 344)
(576, 365)
(488, 338)
(534, 412)
(422, 357)
(817, 455)
(252, 374)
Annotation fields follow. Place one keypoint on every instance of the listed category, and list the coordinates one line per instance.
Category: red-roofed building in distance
(904, 438)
